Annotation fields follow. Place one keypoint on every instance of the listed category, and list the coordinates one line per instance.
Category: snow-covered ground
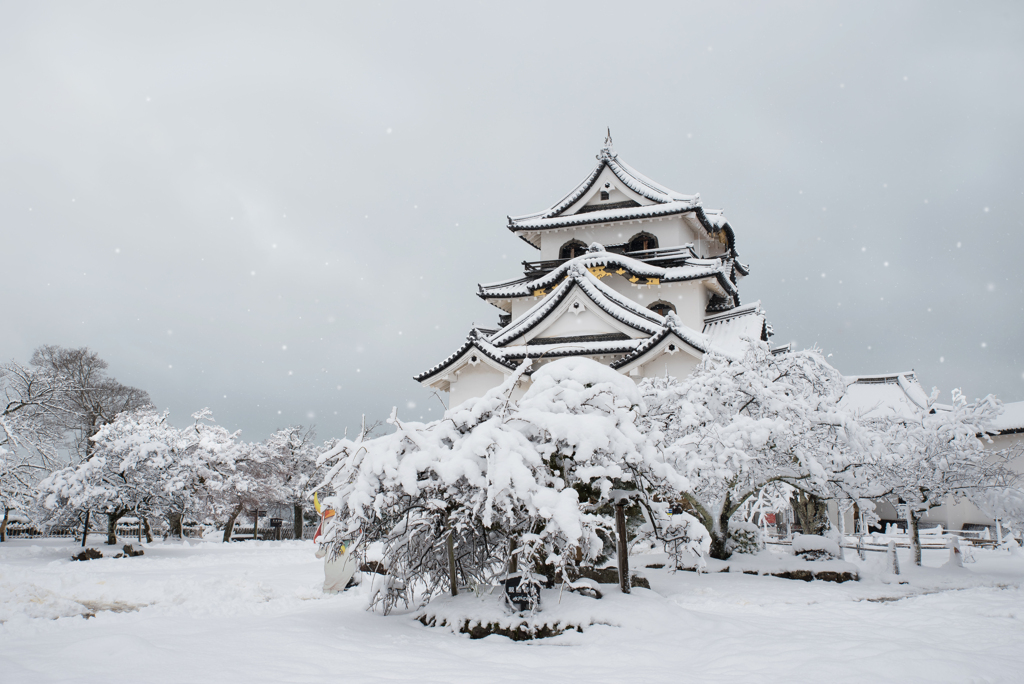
(253, 612)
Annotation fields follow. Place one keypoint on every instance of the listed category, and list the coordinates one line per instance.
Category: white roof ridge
(850, 379)
(746, 309)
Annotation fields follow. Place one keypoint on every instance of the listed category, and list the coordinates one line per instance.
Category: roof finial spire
(606, 150)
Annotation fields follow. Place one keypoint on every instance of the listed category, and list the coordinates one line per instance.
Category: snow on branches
(736, 426)
(497, 483)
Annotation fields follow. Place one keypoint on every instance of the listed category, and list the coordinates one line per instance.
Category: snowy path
(251, 613)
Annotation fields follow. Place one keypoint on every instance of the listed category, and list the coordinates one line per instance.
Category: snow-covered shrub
(745, 537)
(812, 547)
(497, 483)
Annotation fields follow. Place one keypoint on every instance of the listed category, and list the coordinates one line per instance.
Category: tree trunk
(230, 526)
(149, 531)
(175, 521)
(85, 529)
(298, 522)
(112, 519)
(3, 525)
(842, 532)
(915, 537)
(623, 546)
(811, 512)
(452, 575)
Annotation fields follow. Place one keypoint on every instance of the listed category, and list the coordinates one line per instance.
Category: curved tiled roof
(694, 269)
(473, 340)
(673, 326)
(620, 308)
(666, 203)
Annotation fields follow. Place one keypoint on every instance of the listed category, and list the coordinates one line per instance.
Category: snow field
(254, 612)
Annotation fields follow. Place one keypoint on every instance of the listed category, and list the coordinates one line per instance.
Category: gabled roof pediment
(674, 338)
(628, 184)
(580, 292)
(473, 351)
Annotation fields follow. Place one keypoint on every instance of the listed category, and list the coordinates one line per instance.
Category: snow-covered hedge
(745, 537)
(499, 483)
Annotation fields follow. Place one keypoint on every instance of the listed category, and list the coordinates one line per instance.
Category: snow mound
(815, 547)
(24, 601)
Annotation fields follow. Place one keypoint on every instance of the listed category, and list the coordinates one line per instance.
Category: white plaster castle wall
(690, 297)
(573, 324)
(678, 365)
(473, 381)
(671, 231)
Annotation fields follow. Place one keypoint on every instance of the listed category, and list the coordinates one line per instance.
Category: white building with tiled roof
(630, 274)
(901, 396)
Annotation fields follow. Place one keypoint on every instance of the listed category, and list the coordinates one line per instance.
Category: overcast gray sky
(281, 210)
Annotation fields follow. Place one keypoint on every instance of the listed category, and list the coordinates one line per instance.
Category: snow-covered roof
(893, 395)
(664, 202)
(673, 328)
(474, 341)
(729, 331)
(1011, 419)
(634, 270)
(578, 276)
(630, 177)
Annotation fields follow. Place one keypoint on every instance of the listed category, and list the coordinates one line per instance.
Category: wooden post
(623, 547)
(140, 529)
(85, 529)
(256, 523)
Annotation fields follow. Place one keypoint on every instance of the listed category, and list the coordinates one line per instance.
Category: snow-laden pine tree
(497, 484)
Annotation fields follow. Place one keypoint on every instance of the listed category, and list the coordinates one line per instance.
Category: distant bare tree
(91, 399)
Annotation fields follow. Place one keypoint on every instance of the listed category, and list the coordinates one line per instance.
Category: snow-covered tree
(141, 464)
(497, 484)
(90, 398)
(941, 454)
(735, 426)
(294, 456)
(32, 407)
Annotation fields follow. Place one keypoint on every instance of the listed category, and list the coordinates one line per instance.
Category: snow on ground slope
(253, 612)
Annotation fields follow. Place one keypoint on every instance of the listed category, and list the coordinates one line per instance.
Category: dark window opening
(662, 308)
(643, 241)
(572, 249)
(604, 191)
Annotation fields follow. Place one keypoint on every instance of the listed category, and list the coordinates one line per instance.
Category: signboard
(275, 522)
(261, 513)
(522, 592)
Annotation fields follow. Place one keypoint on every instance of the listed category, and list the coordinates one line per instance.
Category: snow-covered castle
(630, 274)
